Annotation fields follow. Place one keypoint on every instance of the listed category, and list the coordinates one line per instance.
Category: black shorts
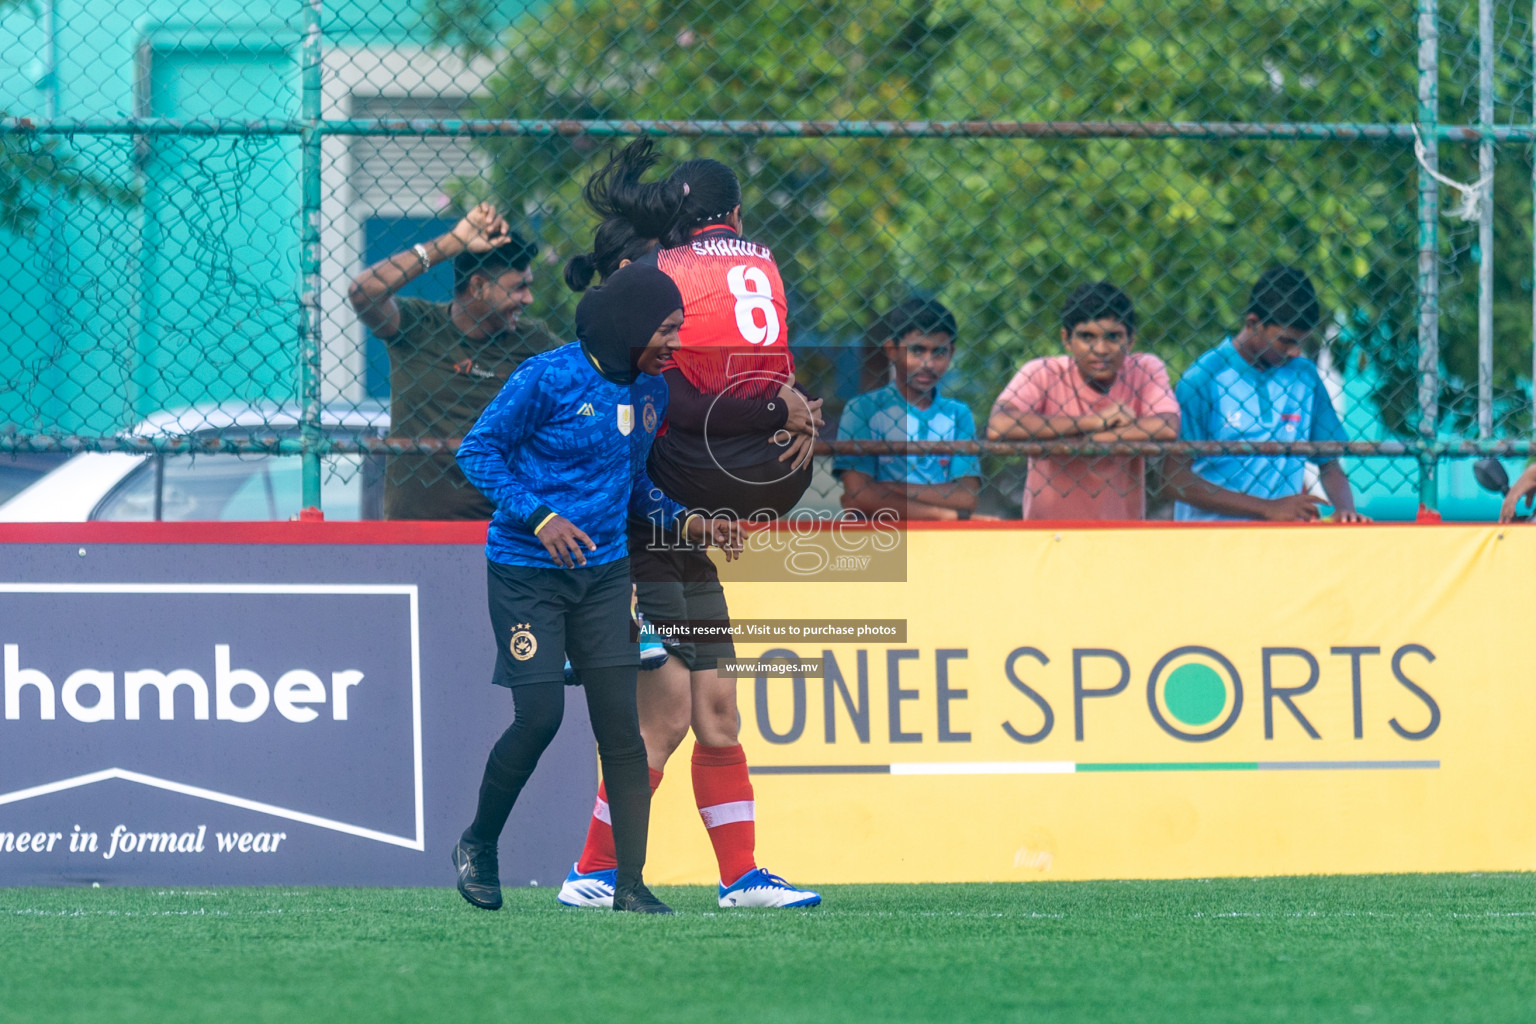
(543, 616)
(766, 490)
(680, 585)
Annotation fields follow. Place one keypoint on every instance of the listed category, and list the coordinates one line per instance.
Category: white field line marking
(40, 915)
(1386, 914)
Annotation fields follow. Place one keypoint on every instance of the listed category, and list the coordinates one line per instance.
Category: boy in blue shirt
(1256, 387)
(919, 343)
(561, 451)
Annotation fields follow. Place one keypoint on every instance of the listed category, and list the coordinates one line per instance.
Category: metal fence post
(309, 256)
(53, 218)
(1429, 253)
(1485, 52)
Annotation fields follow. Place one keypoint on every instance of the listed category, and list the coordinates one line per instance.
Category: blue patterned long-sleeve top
(560, 439)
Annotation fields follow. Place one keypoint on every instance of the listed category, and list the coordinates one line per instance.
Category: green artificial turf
(1391, 948)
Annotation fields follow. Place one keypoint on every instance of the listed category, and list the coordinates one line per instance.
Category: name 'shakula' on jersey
(735, 329)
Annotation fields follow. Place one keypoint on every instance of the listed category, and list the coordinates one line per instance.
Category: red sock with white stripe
(723, 791)
(598, 854)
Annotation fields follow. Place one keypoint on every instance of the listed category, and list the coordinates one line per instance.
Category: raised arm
(372, 293)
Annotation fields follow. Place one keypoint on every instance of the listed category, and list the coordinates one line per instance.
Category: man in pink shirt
(1099, 391)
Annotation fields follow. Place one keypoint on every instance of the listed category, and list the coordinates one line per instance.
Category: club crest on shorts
(648, 417)
(524, 644)
(626, 419)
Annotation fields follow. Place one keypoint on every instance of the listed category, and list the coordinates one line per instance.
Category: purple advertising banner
(261, 714)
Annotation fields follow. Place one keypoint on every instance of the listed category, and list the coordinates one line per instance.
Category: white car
(20, 470)
(119, 486)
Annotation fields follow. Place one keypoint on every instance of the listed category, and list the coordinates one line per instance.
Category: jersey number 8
(754, 295)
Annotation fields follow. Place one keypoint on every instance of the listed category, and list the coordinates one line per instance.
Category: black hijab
(615, 321)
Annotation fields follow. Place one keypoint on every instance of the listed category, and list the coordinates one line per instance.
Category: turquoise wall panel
(108, 313)
(220, 307)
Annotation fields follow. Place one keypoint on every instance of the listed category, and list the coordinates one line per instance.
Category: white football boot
(758, 888)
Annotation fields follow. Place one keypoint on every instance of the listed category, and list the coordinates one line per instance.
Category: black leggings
(537, 710)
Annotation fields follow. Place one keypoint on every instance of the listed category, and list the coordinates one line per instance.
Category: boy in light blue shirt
(1255, 386)
(919, 343)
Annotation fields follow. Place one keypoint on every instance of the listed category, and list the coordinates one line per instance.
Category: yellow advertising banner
(1145, 703)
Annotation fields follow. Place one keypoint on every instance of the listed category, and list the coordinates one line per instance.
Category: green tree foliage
(1001, 229)
(37, 171)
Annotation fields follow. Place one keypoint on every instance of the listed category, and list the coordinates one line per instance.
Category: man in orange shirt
(1099, 391)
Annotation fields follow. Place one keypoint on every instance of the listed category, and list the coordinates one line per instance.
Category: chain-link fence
(192, 195)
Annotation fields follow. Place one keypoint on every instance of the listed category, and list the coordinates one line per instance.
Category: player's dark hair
(1098, 300)
(616, 191)
(615, 241)
(1284, 297)
(925, 316)
(712, 193)
(514, 255)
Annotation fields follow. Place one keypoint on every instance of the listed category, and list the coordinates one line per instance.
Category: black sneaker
(479, 881)
(637, 899)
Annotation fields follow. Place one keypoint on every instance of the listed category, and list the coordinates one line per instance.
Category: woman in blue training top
(561, 451)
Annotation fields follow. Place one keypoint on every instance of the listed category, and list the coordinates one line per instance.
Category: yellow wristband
(688, 521)
(544, 522)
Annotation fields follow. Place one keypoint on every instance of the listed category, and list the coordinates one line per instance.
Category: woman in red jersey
(737, 441)
(744, 443)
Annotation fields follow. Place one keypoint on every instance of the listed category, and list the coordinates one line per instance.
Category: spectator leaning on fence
(919, 342)
(1100, 391)
(1254, 387)
(448, 360)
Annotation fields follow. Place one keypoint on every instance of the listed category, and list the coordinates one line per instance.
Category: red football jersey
(735, 330)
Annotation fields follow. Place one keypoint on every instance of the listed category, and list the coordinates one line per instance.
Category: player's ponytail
(615, 242)
(616, 191)
(579, 271)
(709, 192)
